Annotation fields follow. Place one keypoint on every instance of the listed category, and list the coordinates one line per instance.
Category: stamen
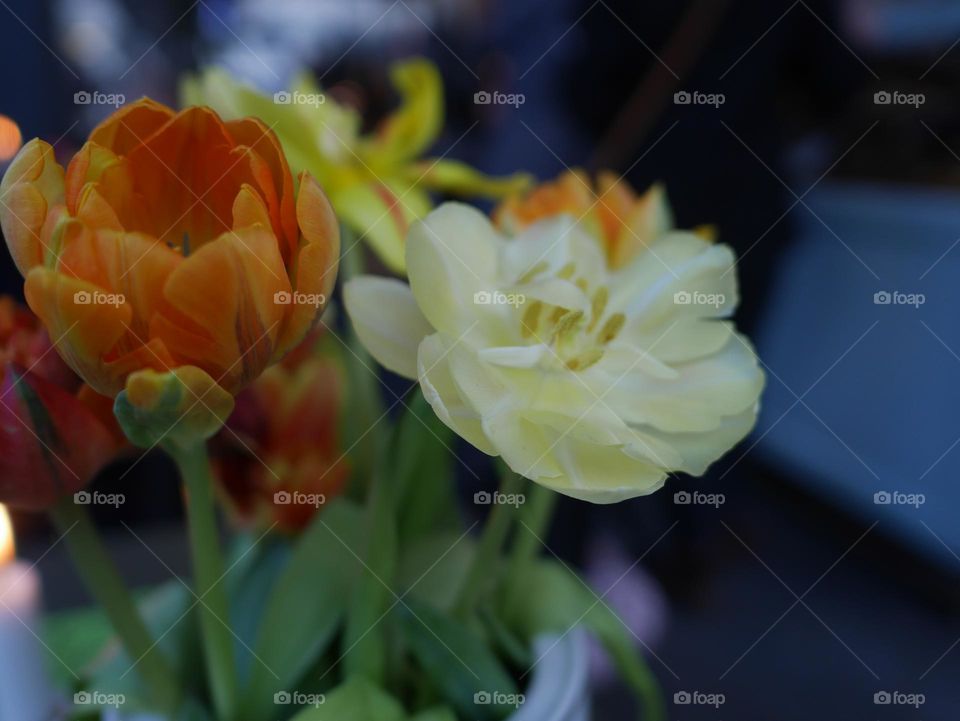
(567, 322)
(598, 306)
(585, 360)
(567, 271)
(530, 320)
(611, 329)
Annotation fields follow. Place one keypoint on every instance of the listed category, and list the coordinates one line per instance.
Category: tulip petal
(51, 443)
(31, 187)
(394, 338)
(184, 406)
(458, 178)
(382, 214)
(314, 273)
(441, 393)
(222, 312)
(84, 333)
(254, 134)
(130, 125)
(414, 126)
(451, 256)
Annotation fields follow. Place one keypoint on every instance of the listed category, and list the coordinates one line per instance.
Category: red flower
(279, 459)
(55, 432)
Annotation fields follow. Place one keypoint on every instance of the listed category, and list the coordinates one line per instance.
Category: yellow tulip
(379, 183)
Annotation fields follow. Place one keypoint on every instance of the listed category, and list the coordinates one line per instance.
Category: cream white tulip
(594, 382)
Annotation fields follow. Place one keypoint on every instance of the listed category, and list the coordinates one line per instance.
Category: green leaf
(435, 714)
(455, 659)
(551, 599)
(364, 639)
(356, 700)
(433, 568)
(305, 608)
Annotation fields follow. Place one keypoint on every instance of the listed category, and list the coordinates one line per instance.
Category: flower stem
(105, 584)
(531, 536)
(492, 538)
(208, 569)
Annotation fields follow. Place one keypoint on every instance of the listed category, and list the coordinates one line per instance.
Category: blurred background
(822, 139)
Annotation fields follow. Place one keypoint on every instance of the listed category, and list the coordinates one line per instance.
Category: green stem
(492, 538)
(534, 526)
(208, 569)
(366, 407)
(105, 584)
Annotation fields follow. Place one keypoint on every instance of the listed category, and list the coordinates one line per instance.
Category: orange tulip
(55, 433)
(624, 221)
(280, 459)
(172, 242)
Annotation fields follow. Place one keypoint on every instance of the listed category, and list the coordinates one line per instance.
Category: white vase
(558, 690)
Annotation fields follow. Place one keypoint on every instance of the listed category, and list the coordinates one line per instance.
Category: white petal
(524, 356)
(387, 321)
(442, 394)
(602, 474)
(453, 255)
(703, 393)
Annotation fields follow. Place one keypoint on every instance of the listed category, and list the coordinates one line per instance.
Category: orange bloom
(624, 221)
(280, 458)
(55, 433)
(171, 242)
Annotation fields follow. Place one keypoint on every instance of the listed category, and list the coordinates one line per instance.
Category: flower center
(578, 338)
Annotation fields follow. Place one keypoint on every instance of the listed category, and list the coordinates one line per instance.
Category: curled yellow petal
(184, 406)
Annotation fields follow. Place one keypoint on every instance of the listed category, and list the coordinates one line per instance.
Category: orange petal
(82, 331)
(315, 271)
(130, 125)
(253, 133)
(221, 312)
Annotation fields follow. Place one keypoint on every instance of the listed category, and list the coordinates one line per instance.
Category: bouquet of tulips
(180, 272)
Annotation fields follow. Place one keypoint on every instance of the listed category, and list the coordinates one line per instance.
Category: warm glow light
(10, 138)
(6, 537)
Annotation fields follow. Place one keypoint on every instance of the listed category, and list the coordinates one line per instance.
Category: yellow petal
(31, 187)
(184, 406)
